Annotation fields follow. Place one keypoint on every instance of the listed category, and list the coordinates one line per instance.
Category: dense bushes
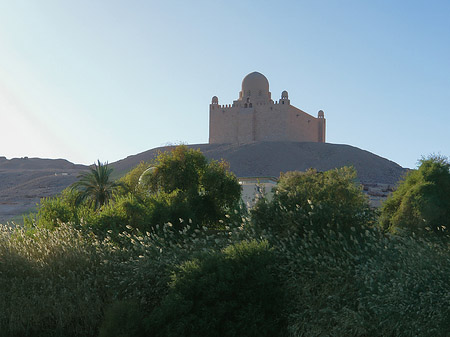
(231, 293)
(312, 200)
(368, 284)
(60, 282)
(181, 184)
(421, 203)
(123, 319)
(51, 283)
(311, 262)
(191, 187)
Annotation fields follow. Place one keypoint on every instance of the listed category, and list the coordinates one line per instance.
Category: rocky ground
(24, 181)
(271, 158)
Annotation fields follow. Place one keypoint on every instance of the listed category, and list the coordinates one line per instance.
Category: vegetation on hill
(313, 261)
(96, 186)
(421, 202)
(179, 187)
(313, 200)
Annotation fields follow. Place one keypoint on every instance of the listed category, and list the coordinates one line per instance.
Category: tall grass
(60, 282)
(51, 283)
(366, 284)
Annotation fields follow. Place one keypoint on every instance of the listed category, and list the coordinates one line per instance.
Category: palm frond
(96, 185)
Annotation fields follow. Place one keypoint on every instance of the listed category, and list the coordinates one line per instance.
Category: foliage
(403, 287)
(123, 319)
(50, 282)
(53, 211)
(126, 210)
(60, 282)
(366, 284)
(185, 185)
(132, 178)
(327, 271)
(183, 188)
(421, 202)
(231, 293)
(312, 200)
(96, 185)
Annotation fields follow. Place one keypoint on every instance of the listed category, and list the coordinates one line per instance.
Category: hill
(271, 158)
(24, 181)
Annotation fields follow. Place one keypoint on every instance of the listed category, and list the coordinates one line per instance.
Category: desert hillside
(24, 181)
(271, 158)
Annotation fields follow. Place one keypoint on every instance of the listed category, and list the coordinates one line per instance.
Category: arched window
(245, 105)
(250, 105)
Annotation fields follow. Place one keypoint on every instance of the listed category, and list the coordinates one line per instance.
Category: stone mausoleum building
(255, 117)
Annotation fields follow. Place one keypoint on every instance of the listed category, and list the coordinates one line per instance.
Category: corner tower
(254, 116)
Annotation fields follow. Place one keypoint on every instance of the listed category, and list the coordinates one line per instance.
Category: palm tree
(96, 185)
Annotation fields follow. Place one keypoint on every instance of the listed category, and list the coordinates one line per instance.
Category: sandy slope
(271, 158)
(24, 181)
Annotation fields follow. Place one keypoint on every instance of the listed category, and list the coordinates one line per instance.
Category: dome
(256, 83)
(214, 100)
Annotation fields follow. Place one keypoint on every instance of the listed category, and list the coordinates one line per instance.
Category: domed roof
(254, 82)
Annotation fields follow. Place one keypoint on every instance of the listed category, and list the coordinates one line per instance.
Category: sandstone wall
(263, 122)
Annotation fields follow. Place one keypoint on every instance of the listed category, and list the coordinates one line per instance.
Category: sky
(101, 80)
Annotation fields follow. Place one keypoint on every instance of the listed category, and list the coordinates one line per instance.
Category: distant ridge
(271, 158)
(24, 181)
(37, 164)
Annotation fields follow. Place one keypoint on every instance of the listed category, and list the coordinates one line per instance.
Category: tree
(132, 178)
(96, 186)
(313, 200)
(234, 292)
(183, 184)
(421, 202)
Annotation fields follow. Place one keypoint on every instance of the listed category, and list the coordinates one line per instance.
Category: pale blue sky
(87, 80)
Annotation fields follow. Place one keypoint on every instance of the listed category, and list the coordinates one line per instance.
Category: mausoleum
(254, 117)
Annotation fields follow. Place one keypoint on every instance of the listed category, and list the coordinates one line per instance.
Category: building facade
(254, 188)
(254, 116)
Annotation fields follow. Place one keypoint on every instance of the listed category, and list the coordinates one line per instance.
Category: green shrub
(421, 203)
(132, 178)
(366, 284)
(323, 280)
(185, 185)
(318, 273)
(403, 290)
(123, 319)
(311, 200)
(50, 283)
(231, 293)
(126, 210)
